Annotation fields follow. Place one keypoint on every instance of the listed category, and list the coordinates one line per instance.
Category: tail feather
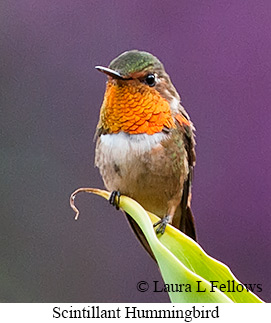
(139, 234)
(187, 224)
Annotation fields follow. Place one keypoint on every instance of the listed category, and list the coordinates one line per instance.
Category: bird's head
(139, 96)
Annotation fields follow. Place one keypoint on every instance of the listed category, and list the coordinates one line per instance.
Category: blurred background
(218, 54)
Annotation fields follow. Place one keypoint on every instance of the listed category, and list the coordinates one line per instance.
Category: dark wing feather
(187, 223)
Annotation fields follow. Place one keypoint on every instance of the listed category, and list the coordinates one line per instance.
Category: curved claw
(162, 224)
(115, 199)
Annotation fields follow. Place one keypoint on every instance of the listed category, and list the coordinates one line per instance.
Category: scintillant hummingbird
(145, 141)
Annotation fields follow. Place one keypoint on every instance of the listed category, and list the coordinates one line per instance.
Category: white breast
(122, 146)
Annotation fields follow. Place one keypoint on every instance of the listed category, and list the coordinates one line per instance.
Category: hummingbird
(145, 143)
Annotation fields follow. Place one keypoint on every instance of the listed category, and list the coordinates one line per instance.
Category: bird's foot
(162, 224)
(114, 199)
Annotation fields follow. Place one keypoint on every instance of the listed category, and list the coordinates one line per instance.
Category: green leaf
(196, 259)
(186, 269)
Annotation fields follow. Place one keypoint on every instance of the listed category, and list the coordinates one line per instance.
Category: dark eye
(150, 79)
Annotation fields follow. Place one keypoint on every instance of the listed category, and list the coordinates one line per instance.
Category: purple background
(218, 54)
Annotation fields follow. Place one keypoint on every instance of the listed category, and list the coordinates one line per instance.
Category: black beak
(110, 72)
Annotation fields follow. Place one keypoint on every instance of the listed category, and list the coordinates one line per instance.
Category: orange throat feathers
(134, 108)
